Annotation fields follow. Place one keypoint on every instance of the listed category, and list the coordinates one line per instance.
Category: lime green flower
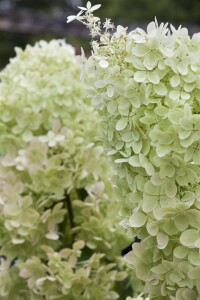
(59, 231)
(146, 87)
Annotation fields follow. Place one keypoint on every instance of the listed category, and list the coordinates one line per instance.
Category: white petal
(1, 201)
(110, 90)
(50, 134)
(71, 18)
(52, 143)
(104, 63)
(95, 7)
(59, 138)
(82, 8)
(88, 5)
(40, 281)
(52, 236)
(43, 139)
(17, 241)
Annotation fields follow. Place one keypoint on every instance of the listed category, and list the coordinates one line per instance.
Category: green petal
(174, 94)
(112, 107)
(180, 252)
(181, 221)
(170, 189)
(160, 89)
(134, 161)
(137, 219)
(149, 202)
(194, 273)
(167, 171)
(174, 81)
(189, 237)
(153, 77)
(194, 258)
(159, 270)
(162, 240)
(140, 76)
(121, 124)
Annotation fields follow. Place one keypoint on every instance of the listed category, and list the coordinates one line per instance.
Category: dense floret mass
(146, 85)
(59, 232)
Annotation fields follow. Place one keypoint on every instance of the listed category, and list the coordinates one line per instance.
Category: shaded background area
(27, 21)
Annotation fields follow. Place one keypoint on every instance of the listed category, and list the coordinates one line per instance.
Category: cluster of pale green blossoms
(147, 88)
(59, 231)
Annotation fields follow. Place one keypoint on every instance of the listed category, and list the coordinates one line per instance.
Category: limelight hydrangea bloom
(146, 85)
(59, 232)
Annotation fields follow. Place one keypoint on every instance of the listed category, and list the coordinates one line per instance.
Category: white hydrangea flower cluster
(59, 232)
(146, 85)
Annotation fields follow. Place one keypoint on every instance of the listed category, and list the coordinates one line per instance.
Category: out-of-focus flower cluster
(59, 232)
(147, 88)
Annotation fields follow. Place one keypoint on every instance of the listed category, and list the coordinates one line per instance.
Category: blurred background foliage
(146, 10)
(26, 21)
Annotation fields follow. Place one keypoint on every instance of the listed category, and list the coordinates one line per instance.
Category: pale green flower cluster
(146, 85)
(59, 231)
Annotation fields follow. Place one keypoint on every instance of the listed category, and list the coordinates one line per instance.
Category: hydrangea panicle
(59, 232)
(146, 87)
